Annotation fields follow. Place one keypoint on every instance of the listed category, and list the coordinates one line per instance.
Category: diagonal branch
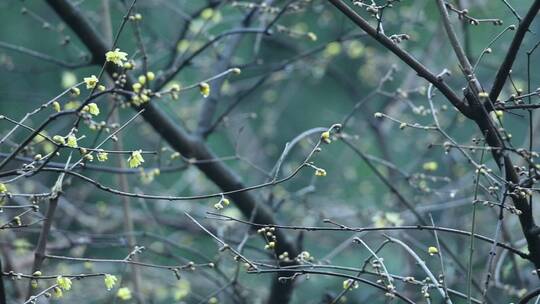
(404, 56)
(510, 57)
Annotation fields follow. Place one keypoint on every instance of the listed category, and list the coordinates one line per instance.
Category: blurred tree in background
(269, 151)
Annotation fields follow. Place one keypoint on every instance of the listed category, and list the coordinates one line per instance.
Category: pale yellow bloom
(109, 281)
(64, 283)
(91, 81)
(135, 159)
(102, 156)
(117, 57)
(124, 293)
(71, 141)
(93, 109)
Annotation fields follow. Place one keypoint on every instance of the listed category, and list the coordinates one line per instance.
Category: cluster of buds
(398, 38)
(304, 256)
(377, 264)
(263, 7)
(142, 93)
(318, 171)
(521, 193)
(390, 291)
(483, 170)
(464, 15)
(350, 284)
(268, 233)
(409, 279)
(284, 257)
(136, 17)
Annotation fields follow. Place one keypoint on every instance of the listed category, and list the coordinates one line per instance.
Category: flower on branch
(91, 81)
(136, 159)
(93, 109)
(72, 141)
(117, 57)
(102, 156)
(124, 293)
(109, 281)
(63, 283)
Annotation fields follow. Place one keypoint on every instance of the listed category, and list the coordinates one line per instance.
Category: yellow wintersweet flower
(109, 280)
(124, 293)
(150, 76)
(320, 172)
(205, 89)
(72, 141)
(3, 188)
(91, 81)
(117, 57)
(64, 283)
(135, 159)
(93, 109)
(433, 250)
(102, 156)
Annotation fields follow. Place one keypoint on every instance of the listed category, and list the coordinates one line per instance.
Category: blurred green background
(315, 91)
